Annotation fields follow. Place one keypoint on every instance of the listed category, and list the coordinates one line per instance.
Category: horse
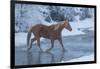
(52, 32)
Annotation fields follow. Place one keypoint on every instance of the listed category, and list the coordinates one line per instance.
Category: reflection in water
(43, 57)
(34, 56)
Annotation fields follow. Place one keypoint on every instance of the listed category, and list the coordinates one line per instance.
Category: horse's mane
(58, 25)
(53, 26)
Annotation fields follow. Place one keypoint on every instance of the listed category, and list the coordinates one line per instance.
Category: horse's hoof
(28, 48)
(48, 50)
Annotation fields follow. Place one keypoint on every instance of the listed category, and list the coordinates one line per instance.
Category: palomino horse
(52, 32)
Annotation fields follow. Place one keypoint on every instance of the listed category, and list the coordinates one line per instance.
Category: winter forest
(28, 15)
(79, 43)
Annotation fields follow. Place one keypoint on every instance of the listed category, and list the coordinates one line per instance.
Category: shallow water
(76, 46)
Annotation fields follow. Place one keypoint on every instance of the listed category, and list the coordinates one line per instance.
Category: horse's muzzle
(70, 29)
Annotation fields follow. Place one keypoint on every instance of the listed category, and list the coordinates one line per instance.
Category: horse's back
(36, 29)
(37, 26)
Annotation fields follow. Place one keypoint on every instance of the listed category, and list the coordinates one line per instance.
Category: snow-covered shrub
(85, 13)
(54, 13)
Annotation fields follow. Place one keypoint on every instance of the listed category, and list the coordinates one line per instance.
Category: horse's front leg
(52, 44)
(60, 40)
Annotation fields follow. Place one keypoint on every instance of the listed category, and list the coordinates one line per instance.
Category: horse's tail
(28, 36)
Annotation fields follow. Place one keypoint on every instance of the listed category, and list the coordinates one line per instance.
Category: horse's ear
(65, 21)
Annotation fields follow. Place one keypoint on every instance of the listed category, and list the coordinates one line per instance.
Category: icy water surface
(76, 46)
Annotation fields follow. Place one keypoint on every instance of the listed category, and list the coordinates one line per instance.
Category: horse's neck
(59, 27)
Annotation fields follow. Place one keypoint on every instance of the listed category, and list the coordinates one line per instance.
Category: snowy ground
(79, 45)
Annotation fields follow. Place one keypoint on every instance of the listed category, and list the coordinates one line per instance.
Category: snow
(20, 39)
(28, 15)
(82, 59)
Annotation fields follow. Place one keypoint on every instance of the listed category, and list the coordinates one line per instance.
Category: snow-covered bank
(82, 59)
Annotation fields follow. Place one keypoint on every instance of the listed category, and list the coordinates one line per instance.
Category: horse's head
(67, 25)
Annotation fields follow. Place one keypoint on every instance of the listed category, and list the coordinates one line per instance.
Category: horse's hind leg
(38, 43)
(32, 40)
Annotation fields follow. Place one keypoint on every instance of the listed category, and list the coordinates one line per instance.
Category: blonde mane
(58, 25)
